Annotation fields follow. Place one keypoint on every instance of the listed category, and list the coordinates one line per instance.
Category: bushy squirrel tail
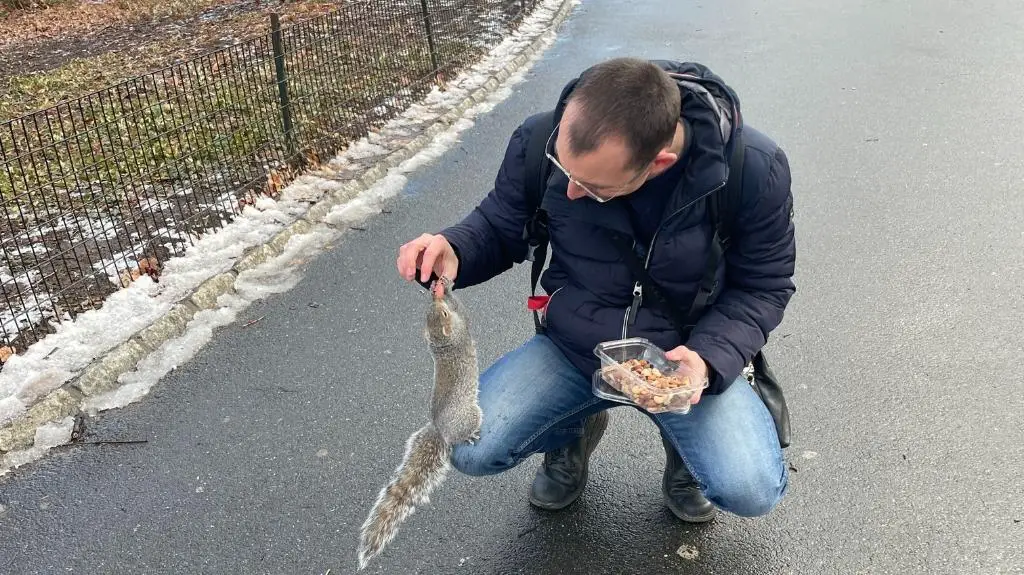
(424, 467)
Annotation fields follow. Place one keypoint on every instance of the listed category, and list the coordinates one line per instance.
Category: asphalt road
(901, 349)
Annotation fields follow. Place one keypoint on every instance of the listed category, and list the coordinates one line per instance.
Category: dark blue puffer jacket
(592, 289)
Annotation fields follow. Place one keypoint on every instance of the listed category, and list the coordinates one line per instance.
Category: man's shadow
(620, 525)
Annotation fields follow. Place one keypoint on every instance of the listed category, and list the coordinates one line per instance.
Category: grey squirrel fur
(455, 416)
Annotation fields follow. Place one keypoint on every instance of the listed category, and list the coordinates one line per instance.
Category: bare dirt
(127, 41)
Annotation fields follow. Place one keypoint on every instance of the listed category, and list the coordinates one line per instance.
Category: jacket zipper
(630, 315)
(638, 291)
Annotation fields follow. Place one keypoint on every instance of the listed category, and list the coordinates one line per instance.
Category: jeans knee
(753, 495)
(477, 460)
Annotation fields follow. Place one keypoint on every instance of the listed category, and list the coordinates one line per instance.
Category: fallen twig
(253, 322)
(114, 442)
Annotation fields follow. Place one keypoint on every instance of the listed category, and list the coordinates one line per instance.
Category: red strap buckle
(537, 302)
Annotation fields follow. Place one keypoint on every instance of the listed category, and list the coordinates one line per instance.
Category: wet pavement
(900, 351)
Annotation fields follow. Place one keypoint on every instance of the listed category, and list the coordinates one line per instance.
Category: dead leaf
(128, 276)
(312, 158)
(151, 267)
(442, 80)
(5, 353)
(275, 183)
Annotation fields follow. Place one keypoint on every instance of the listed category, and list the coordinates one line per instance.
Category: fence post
(430, 34)
(282, 82)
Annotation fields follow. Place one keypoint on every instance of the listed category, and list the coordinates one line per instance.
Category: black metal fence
(101, 189)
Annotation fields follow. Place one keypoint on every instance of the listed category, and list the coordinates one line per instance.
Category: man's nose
(574, 192)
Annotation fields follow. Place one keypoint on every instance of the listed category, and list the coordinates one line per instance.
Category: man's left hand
(690, 359)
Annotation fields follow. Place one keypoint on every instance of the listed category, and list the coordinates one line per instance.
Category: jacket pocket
(547, 308)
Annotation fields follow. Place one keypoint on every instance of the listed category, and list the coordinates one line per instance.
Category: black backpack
(720, 206)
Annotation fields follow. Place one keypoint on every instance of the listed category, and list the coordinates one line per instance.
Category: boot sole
(583, 483)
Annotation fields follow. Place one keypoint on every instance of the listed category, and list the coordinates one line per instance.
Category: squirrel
(455, 417)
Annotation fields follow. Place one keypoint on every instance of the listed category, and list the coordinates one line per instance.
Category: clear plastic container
(666, 387)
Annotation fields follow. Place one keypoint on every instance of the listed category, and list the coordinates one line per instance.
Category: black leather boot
(563, 475)
(682, 493)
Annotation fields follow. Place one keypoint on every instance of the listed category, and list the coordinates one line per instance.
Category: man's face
(602, 173)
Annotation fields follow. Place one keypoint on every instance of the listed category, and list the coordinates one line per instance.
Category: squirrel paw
(474, 438)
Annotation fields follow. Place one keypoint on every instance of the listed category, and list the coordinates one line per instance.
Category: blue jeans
(534, 401)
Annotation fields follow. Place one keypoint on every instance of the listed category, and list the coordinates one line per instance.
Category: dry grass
(168, 154)
(35, 20)
(70, 50)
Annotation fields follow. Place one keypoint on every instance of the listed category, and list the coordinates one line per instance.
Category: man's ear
(662, 161)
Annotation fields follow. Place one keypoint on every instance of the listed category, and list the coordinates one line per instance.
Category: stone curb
(102, 374)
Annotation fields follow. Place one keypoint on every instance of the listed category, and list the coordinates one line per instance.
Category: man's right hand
(428, 254)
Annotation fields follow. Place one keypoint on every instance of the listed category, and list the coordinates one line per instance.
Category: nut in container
(634, 371)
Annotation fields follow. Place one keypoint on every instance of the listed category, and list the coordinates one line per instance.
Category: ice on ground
(276, 275)
(93, 333)
(367, 203)
(47, 437)
(60, 356)
(54, 434)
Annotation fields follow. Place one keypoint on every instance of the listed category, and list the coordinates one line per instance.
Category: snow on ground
(60, 356)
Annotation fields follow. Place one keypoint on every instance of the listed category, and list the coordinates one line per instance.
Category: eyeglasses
(610, 191)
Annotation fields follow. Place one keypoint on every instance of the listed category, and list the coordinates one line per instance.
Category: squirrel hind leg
(466, 430)
(475, 424)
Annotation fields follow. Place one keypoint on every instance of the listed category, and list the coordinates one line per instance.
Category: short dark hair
(626, 97)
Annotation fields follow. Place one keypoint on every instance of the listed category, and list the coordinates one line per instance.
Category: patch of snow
(10, 407)
(12, 322)
(47, 436)
(125, 312)
(54, 434)
(361, 150)
(47, 381)
(368, 203)
(34, 249)
(136, 384)
(60, 356)
(276, 275)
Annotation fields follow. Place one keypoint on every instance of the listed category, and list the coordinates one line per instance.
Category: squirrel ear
(446, 330)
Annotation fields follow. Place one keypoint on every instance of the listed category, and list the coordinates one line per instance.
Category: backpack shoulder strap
(537, 163)
(722, 211)
(723, 204)
(535, 179)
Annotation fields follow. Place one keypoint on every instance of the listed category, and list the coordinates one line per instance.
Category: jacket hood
(697, 80)
(711, 109)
